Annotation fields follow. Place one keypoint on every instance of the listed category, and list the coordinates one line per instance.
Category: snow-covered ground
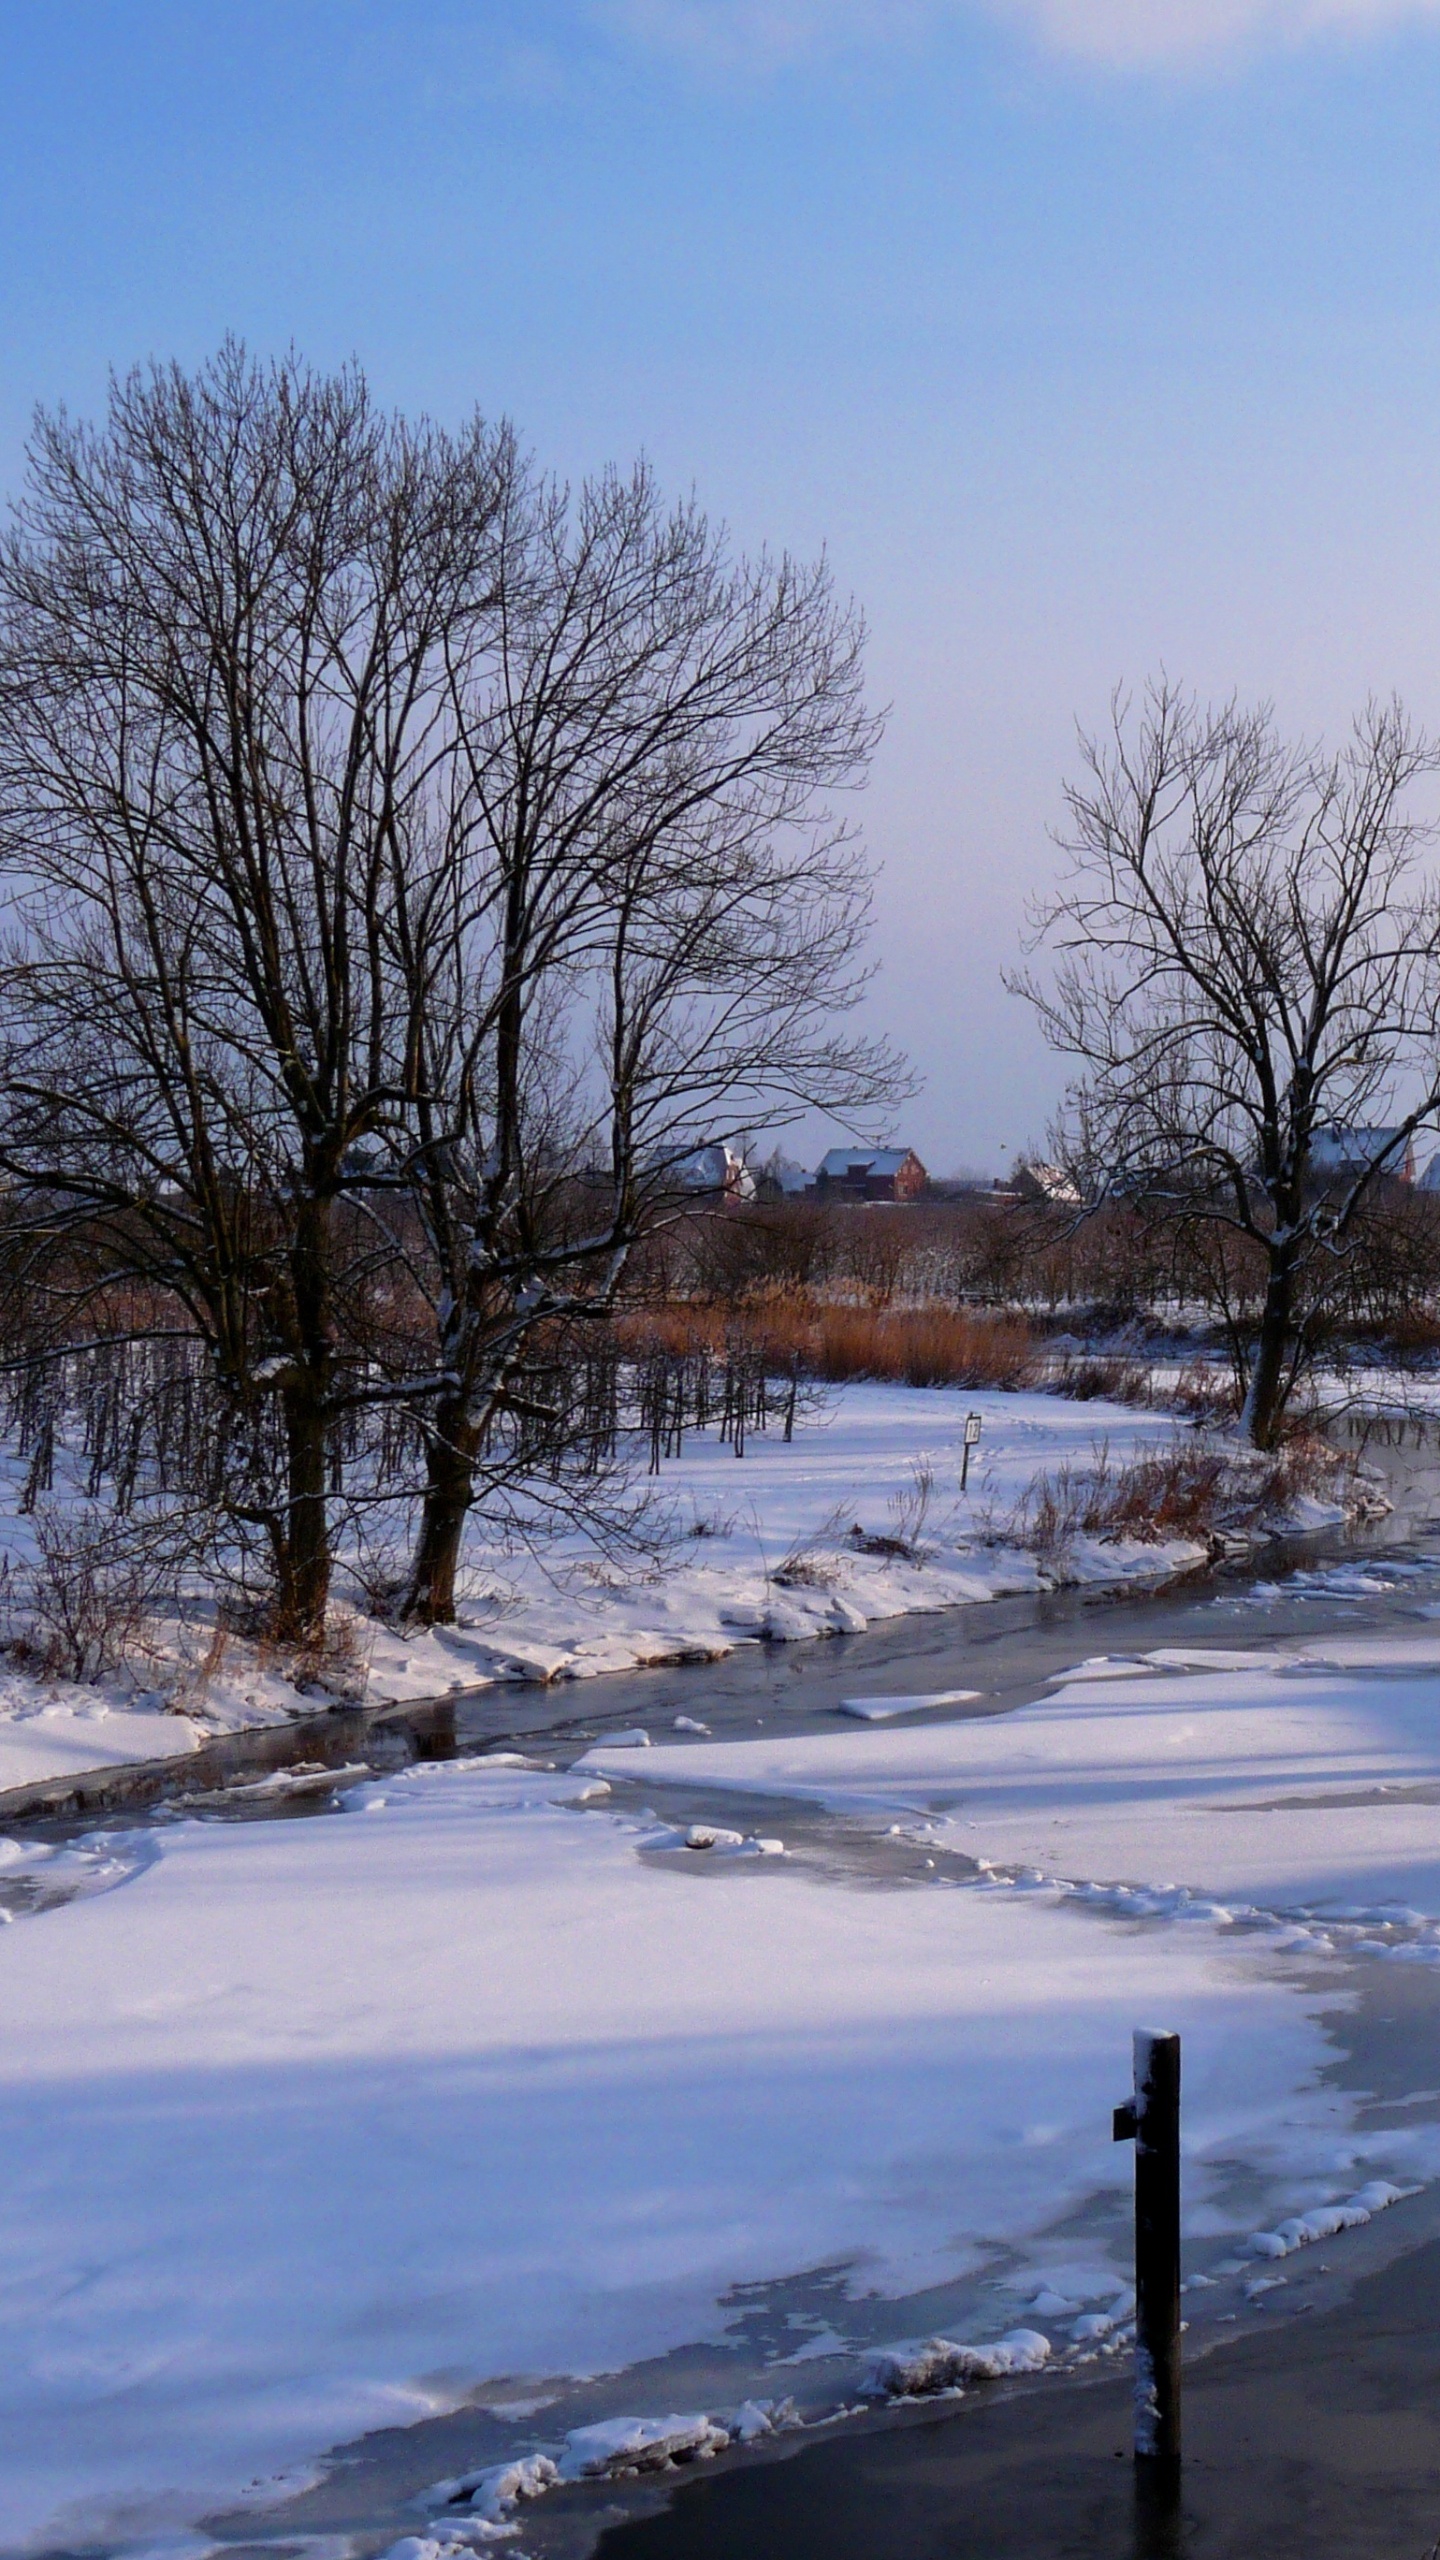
(487, 2077)
(55, 1729)
(760, 1546)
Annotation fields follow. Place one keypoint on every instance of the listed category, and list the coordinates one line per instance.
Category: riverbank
(858, 1520)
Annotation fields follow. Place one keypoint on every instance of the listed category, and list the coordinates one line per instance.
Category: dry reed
(916, 1347)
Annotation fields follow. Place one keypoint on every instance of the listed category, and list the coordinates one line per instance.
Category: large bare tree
(232, 622)
(1247, 975)
(669, 930)
(407, 865)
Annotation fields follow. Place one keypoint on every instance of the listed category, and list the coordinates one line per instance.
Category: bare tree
(670, 927)
(407, 865)
(232, 621)
(1248, 954)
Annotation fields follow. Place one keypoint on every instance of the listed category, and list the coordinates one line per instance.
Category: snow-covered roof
(1338, 1145)
(881, 1160)
(1050, 1182)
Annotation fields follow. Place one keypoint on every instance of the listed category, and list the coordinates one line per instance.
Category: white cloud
(762, 34)
(1145, 31)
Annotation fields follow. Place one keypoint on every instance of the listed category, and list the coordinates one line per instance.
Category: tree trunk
(305, 1565)
(1265, 1396)
(305, 1569)
(449, 1491)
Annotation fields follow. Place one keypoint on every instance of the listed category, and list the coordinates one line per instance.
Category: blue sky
(1090, 335)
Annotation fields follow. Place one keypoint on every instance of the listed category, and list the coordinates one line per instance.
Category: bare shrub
(1414, 1335)
(336, 1665)
(805, 1571)
(1205, 1392)
(808, 1566)
(202, 1656)
(708, 1524)
(910, 1507)
(378, 1568)
(82, 1607)
(1086, 1377)
(880, 1542)
(1178, 1492)
(1189, 1489)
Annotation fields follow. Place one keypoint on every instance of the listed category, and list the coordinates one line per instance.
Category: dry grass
(1205, 1392)
(916, 1347)
(1415, 1335)
(1189, 1489)
(926, 1347)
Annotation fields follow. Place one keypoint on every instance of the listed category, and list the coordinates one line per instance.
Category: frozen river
(374, 2132)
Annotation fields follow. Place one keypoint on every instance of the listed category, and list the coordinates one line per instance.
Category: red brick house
(871, 1173)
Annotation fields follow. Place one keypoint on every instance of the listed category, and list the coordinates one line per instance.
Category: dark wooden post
(1151, 2120)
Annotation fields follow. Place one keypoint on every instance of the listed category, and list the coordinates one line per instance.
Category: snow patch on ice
(1323, 2222)
(915, 2369)
(610, 2449)
(720, 1844)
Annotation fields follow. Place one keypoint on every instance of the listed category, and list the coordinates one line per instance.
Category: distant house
(1338, 1153)
(871, 1173)
(1047, 1182)
(781, 1178)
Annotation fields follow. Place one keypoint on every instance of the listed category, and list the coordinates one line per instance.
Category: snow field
(741, 1521)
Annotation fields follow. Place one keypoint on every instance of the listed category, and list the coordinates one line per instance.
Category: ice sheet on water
(1353, 1581)
(880, 1710)
(1180, 1657)
(1101, 1666)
